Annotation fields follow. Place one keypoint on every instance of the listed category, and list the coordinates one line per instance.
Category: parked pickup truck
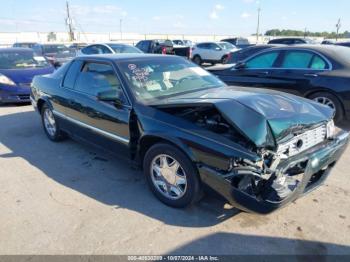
(161, 46)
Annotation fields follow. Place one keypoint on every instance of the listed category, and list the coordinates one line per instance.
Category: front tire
(51, 126)
(197, 60)
(171, 176)
(332, 101)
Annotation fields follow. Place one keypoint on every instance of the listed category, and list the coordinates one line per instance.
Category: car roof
(289, 38)
(16, 49)
(108, 44)
(122, 56)
(333, 52)
(26, 43)
(314, 47)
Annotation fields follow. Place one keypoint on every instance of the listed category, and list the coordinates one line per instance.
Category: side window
(297, 59)
(214, 46)
(97, 77)
(203, 46)
(90, 50)
(104, 50)
(139, 45)
(318, 63)
(71, 75)
(265, 60)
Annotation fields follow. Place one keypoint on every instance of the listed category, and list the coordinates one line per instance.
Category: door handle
(311, 75)
(264, 73)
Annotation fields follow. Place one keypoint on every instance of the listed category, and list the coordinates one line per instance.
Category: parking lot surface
(69, 198)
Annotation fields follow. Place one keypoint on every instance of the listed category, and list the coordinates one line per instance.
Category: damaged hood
(263, 116)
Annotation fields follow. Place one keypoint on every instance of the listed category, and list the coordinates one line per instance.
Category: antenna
(69, 23)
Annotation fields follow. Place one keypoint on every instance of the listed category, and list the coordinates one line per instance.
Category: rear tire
(50, 124)
(197, 60)
(224, 59)
(331, 101)
(171, 176)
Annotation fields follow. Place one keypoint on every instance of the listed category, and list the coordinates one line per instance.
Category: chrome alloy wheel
(168, 177)
(325, 101)
(49, 122)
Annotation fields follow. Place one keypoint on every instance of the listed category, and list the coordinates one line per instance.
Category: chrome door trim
(94, 129)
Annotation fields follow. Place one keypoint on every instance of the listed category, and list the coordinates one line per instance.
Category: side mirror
(240, 65)
(115, 96)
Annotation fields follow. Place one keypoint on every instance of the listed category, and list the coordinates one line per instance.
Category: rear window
(125, 49)
(226, 46)
(242, 41)
(55, 48)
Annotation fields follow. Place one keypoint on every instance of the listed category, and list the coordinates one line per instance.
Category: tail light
(190, 53)
(229, 55)
(163, 50)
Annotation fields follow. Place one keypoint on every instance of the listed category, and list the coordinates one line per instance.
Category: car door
(105, 124)
(298, 70)
(254, 72)
(214, 52)
(202, 50)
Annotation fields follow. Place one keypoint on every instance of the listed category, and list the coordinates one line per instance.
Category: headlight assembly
(4, 80)
(330, 129)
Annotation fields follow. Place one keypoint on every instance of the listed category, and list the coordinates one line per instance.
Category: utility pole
(338, 25)
(258, 26)
(121, 28)
(69, 23)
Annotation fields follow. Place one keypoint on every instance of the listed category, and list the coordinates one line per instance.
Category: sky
(233, 17)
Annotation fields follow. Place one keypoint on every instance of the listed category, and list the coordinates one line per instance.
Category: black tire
(193, 191)
(57, 135)
(197, 60)
(337, 106)
(224, 59)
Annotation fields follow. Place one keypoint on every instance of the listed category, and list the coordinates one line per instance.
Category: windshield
(310, 41)
(226, 46)
(55, 49)
(157, 78)
(125, 49)
(21, 59)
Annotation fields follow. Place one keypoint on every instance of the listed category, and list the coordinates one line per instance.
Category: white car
(110, 48)
(212, 52)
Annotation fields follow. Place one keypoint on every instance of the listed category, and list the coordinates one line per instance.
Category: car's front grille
(303, 142)
(23, 97)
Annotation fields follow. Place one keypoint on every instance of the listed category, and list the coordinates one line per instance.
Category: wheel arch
(323, 90)
(40, 103)
(147, 141)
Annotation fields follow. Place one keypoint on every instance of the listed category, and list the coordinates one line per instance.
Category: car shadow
(245, 246)
(98, 174)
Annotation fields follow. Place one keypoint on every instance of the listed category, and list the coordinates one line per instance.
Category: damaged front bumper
(318, 162)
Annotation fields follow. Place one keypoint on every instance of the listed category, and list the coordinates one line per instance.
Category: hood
(263, 116)
(219, 67)
(25, 76)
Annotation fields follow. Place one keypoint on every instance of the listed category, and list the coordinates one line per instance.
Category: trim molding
(94, 129)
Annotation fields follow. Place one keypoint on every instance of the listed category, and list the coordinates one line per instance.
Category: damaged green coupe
(188, 130)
